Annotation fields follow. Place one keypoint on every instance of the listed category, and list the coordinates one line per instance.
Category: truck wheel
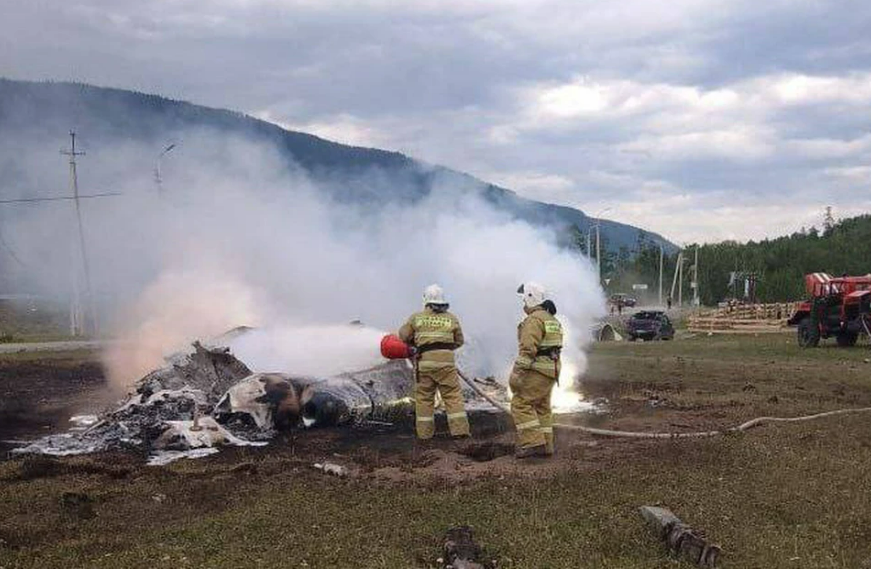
(808, 336)
(847, 339)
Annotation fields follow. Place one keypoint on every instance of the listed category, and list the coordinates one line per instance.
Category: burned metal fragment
(681, 539)
(185, 389)
(212, 370)
(460, 549)
(381, 393)
(260, 401)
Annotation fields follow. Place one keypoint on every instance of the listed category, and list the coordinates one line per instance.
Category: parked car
(649, 325)
(622, 299)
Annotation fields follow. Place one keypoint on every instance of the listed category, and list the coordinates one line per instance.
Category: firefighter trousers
(530, 408)
(446, 382)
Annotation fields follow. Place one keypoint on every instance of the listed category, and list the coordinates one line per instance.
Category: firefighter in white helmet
(536, 370)
(435, 333)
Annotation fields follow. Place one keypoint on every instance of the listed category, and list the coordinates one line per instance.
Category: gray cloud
(699, 119)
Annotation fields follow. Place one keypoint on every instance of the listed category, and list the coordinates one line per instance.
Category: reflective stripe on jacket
(430, 327)
(539, 331)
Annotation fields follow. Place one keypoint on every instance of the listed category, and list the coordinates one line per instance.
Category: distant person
(619, 308)
(435, 333)
(668, 302)
(536, 371)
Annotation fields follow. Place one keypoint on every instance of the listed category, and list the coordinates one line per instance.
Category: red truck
(838, 306)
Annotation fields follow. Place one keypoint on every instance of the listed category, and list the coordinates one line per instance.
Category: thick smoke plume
(239, 238)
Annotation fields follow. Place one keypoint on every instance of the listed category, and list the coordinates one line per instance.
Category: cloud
(532, 183)
(343, 128)
(722, 101)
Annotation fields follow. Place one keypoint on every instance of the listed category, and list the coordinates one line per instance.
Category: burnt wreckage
(207, 397)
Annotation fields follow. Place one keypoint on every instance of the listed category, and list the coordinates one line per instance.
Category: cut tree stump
(680, 539)
(460, 549)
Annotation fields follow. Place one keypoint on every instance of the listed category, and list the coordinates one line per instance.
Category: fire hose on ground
(699, 434)
(394, 348)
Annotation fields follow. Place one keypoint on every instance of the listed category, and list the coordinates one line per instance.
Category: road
(63, 346)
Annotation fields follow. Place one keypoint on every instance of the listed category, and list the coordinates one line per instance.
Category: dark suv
(649, 325)
(623, 299)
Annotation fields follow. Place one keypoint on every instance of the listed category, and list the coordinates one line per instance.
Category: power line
(60, 198)
(75, 314)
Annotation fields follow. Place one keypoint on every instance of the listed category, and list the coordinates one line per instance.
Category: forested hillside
(43, 113)
(779, 264)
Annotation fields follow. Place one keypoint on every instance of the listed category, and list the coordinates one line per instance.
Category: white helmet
(533, 294)
(433, 294)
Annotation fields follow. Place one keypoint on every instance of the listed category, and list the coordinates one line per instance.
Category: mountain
(47, 110)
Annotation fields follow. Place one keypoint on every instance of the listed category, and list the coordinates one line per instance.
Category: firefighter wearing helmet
(536, 370)
(435, 333)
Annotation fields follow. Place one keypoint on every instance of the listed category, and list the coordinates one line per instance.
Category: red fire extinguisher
(393, 348)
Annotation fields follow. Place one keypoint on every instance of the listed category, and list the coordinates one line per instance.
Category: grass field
(30, 321)
(795, 495)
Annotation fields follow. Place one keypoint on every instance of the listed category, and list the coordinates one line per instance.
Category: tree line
(776, 265)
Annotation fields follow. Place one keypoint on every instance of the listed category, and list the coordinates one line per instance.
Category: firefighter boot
(531, 452)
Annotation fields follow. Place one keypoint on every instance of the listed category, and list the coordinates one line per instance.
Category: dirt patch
(39, 466)
(485, 452)
(39, 392)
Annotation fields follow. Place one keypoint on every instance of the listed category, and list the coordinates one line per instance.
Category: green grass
(23, 322)
(60, 358)
(780, 496)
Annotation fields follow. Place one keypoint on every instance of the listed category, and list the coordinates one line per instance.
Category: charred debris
(206, 398)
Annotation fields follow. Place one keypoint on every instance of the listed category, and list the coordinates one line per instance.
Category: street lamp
(661, 266)
(598, 220)
(157, 179)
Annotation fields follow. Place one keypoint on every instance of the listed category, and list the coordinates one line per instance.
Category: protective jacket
(540, 339)
(435, 335)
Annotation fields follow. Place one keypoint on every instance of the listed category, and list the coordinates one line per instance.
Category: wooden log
(680, 539)
(735, 321)
(706, 330)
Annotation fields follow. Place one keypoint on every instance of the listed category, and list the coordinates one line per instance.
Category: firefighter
(435, 333)
(536, 370)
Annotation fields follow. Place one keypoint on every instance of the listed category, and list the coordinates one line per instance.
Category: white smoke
(318, 351)
(238, 238)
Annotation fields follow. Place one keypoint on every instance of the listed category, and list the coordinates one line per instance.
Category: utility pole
(77, 320)
(680, 282)
(589, 242)
(74, 186)
(661, 263)
(676, 272)
(598, 254)
(598, 220)
(696, 279)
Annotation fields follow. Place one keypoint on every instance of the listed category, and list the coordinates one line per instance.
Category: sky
(702, 120)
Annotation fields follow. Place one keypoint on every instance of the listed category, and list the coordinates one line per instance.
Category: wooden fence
(742, 319)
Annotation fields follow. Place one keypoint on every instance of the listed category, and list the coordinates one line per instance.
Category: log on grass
(680, 539)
